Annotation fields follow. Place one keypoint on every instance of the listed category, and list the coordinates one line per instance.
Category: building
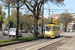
(70, 26)
(73, 14)
(56, 16)
(49, 16)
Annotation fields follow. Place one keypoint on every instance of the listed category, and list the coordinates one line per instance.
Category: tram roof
(50, 25)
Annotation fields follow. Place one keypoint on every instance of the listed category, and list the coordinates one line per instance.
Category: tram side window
(53, 28)
(57, 28)
(48, 28)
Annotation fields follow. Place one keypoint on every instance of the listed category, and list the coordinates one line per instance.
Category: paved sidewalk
(70, 45)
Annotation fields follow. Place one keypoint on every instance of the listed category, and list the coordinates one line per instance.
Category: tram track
(56, 45)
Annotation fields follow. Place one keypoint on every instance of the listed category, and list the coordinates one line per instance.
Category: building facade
(70, 26)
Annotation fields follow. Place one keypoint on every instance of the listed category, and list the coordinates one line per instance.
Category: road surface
(40, 44)
(6, 37)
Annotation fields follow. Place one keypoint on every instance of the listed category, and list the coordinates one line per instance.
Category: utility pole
(8, 18)
(42, 16)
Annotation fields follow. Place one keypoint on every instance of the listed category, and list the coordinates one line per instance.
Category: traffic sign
(3, 26)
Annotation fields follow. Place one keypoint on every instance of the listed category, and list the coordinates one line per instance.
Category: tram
(51, 31)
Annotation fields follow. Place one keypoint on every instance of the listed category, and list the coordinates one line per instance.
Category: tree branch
(35, 4)
(28, 7)
(21, 5)
(30, 4)
(39, 8)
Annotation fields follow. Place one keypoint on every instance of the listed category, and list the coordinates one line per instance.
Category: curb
(20, 42)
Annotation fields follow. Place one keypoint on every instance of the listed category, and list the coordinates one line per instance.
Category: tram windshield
(48, 28)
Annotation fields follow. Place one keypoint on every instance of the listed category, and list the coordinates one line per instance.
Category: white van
(12, 32)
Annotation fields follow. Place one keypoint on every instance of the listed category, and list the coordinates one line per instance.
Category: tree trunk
(35, 26)
(17, 30)
(65, 29)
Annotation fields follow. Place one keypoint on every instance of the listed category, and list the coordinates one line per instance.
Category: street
(53, 20)
(42, 44)
(6, 37)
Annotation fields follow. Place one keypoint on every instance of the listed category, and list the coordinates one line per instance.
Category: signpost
(3, 26)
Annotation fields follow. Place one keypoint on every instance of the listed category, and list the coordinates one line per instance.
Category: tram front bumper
(50, 36)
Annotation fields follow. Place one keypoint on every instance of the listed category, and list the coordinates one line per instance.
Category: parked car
(5, 32)
(12, 32)
(38, 32)
(24, 31)
(31, 30)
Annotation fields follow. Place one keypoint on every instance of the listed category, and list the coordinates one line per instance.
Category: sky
(70, 4)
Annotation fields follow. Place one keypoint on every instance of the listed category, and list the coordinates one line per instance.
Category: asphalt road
(36, 44)
(6, 37)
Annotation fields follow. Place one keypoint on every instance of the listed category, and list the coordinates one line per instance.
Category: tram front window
(48, 28)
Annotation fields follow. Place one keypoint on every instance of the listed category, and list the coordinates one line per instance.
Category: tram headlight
(46, 34)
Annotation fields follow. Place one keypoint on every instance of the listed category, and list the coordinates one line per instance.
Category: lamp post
(8, 18)
(42, 16)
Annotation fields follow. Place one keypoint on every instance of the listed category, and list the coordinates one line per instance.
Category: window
(5, 29)
(53, 28)
(48, 28)
(12, 29)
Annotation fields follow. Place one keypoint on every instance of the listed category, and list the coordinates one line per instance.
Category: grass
(19, 39)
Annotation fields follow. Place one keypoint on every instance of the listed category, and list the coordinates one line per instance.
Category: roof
(51, 25)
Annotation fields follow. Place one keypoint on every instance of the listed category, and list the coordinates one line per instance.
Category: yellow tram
(52, 30)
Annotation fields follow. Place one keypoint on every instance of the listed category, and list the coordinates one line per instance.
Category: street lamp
(42, 16)
(8, 17)
(8, 25)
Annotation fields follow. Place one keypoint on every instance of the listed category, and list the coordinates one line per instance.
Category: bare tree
(35, 7)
